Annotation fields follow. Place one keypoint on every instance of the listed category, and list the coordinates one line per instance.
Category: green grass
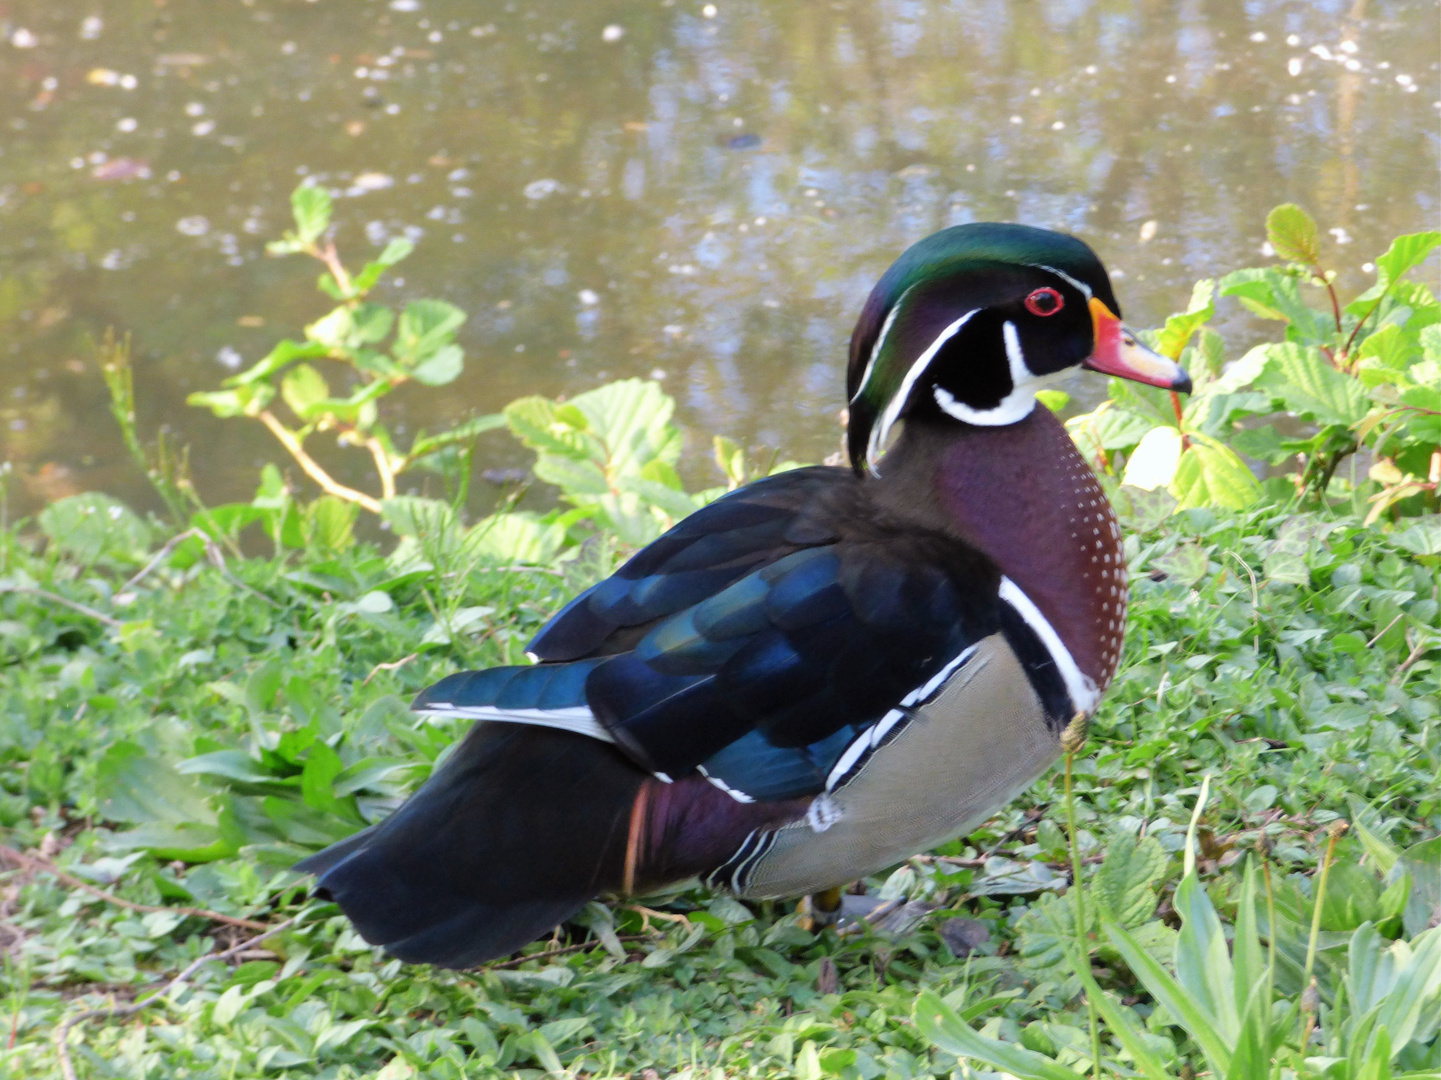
(1296, 659)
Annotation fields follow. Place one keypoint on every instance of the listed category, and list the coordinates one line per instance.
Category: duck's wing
(757, 641)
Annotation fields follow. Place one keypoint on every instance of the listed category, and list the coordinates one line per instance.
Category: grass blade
(1176, 999)
(941, 1026)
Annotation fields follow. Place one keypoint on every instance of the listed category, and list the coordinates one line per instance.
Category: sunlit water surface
(702, 193)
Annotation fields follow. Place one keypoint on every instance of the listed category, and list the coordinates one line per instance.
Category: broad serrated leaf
(1293, 234)
(1405, 253)
(1211, 474)
(577, 478)
(328, 525)
(311, 206)
(1308, 386)
(304, 389)
(425, 326)
(1124, 886)
(440, 367)
(93, 526)
(632, 418)
(517, 537)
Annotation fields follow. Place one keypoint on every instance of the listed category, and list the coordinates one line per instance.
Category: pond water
(701, 191)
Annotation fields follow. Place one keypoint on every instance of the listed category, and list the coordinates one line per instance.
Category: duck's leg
(822, 909)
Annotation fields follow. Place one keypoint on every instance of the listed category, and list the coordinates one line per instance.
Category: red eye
(1045, 302)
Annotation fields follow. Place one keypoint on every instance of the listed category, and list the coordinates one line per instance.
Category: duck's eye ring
(1046, 301)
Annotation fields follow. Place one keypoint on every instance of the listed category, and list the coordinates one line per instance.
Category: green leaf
(1124, 886)
(285, 352)
(425, 326)
(1175, 998)
(938, 1023)
(1423, 862)
(322, 766)
(1109, 426)
(91, 527)
(412, 515)
(442, 366)
(332, 330)
(462, 432)
(1405, 253)
(1055, 400)
(1179, 328)
(1274, 295)
(1122, 1025)
(136, 788)
(370, 323)
(1210, 473)
(328, 525)
(1293, 234)
(1390, 347)
(230, 765)
(394, 252)
(1308, 386)
(1203, 963)
(517, 537)
(1247, 958)
(1423, 538)
(1416, 992)
(311, 206)
(303, 389)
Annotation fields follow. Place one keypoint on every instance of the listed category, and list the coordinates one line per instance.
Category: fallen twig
(62, 1032)
(160, 556)
(515, 962)
(389, 666)
(35, 862)
(73, 605)
(1422, 647)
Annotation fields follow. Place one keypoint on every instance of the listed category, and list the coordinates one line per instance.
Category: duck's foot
(646, 914)
(820, 910)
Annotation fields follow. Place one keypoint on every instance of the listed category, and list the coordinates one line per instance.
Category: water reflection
(705, 192)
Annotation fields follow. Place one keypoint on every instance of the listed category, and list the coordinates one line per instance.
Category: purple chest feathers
(1023, 495)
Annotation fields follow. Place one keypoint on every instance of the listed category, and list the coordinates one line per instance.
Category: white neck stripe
(1015, 358)
(1083, 691)
(880, 340)
(1079, 286)
(893, 407)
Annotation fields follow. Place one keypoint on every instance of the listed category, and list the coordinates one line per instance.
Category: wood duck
(816, 676)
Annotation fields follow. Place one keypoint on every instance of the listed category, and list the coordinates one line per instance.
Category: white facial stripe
(1020, 373)
(1080, 286)
(1082, 689)
(893, 407)
(880, 340)
(577, 719)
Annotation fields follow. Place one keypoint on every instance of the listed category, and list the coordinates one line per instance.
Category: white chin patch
(1016, 405)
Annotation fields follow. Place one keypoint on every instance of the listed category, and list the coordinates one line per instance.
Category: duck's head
(969, 323)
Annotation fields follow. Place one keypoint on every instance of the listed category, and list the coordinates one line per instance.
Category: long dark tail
(514, 834)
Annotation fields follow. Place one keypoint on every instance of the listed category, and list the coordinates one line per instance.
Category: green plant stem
(312, 468)
(1334, 832)
(1270, 929)
(1083, 949)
